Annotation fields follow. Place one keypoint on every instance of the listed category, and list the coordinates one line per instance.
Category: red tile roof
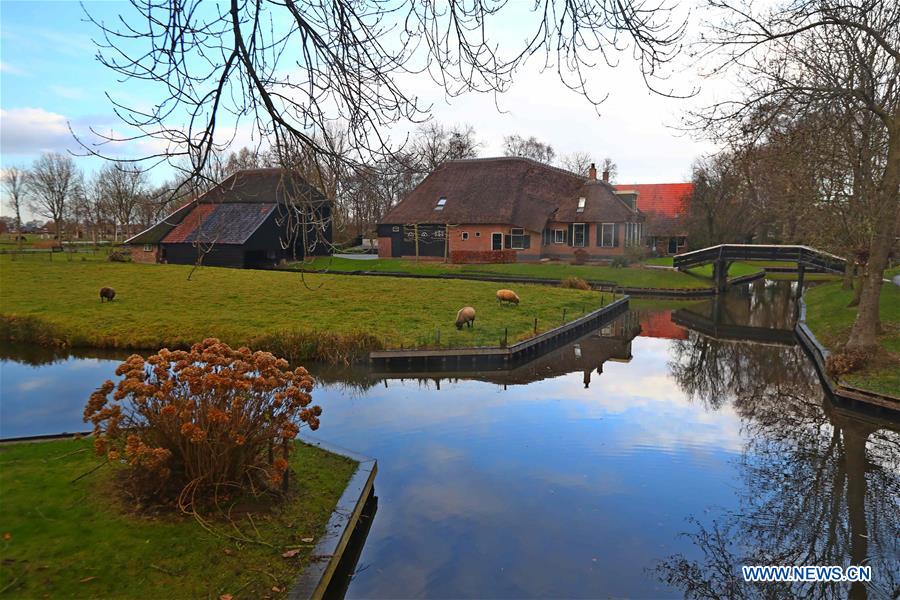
(665, 199)
(658, 324)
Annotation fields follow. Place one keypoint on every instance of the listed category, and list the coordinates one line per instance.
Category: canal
(651, 458)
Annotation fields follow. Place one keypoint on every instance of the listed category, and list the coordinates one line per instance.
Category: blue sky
(50, 79)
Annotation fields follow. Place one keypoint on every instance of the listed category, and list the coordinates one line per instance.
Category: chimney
(592, 172)
(606, 175)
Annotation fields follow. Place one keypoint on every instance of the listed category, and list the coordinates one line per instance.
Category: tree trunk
(849, 274)
(864, 333)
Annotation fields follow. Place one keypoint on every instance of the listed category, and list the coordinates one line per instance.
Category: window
(559, 236)
(395, 228)
(581, 202)
(517, 239)
(440, 204)
(608, 235)
(148, 248)
(478, 234)
(578, 235)
(465, 235)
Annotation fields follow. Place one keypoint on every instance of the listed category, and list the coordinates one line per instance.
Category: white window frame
(575, 227)
(493, 233)
(464, 235)
(612, 237)
(478, 234)
(512, 238)
(581, 204)
(148, 247)
(441, 203)
(560, 239)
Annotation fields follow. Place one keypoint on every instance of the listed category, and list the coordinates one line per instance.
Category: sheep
(108, 293)
(466, 315)
(507, 296)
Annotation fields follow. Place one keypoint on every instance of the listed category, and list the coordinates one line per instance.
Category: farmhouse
(665, 206)
(254, 218)
(509, 209)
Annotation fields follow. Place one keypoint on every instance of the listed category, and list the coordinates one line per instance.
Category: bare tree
(578, 162)
(53, 183)
(291, 69)
(721, 207)
(123, 186)
(14, 184)
(533, 148)
(435, 144)
(807, 57)
(610, 168)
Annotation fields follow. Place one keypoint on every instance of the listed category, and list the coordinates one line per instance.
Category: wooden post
(505, 337)
(801, 269)
(535, 326)
(416, 234)
(564, 315)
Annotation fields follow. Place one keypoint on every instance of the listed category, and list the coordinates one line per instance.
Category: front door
(673, 245)
(496, 241)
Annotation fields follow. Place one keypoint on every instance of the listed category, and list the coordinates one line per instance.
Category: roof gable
(231, 223)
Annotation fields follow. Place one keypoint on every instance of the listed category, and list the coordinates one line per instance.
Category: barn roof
(230, 223)
(230, 212)
(513, 190)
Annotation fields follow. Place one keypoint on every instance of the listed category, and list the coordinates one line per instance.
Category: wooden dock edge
(324, 558)
(819, 354)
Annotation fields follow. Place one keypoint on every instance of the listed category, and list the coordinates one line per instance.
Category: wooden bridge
(723, 255)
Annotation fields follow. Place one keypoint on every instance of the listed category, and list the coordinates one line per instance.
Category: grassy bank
(68, 538)
(624, 276)
(306, 316)
(830, 320)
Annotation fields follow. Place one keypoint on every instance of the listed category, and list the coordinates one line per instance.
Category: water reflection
(577, 474)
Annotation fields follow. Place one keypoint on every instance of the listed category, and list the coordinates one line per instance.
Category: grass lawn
(296, 315)
(625, 276)
(830, 319)
(66, 538)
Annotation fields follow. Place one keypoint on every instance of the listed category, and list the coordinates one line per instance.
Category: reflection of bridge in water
(733, 333)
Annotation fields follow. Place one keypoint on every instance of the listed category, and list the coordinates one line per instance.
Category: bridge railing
(802, 255)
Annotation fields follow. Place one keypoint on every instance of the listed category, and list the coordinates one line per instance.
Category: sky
(51, 81)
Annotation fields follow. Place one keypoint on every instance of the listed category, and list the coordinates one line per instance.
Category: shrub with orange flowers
(201, 419)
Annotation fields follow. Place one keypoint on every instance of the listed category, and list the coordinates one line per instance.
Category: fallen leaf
(306, 540)
(86, 579)
(7, 536)
(226, 597)
(290, 553)
(275, 588)
(228, 551)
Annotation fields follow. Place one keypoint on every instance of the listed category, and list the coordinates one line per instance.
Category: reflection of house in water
(586, 354)
(658, 324)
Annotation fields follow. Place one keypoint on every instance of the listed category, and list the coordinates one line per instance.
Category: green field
(625, 276)
(78, 539)
(830, 320)
(300, 316)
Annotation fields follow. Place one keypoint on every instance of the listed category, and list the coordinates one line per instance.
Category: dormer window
(440, 204)
(581, 202)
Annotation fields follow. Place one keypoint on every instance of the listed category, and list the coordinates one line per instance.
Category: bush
(618, 262)
(188, 423)
(636, 254)
(575, 283)
(846, 361)
(119, 256)
(581, 256)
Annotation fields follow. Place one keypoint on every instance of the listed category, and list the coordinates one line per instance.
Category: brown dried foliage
(575, 283)
(188, 423)
(846, 361)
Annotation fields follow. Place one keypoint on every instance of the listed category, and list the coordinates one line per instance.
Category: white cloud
(9, 69)
(33, 130)
(67, 92)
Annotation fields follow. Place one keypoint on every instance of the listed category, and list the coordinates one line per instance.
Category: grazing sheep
(466, 315)
(107, 293)
(507, 296)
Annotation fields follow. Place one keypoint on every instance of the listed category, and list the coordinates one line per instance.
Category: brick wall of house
(479, 240)
(140, 255)
(483, 256)
(566, 250)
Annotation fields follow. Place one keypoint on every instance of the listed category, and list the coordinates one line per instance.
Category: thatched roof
(508, 190)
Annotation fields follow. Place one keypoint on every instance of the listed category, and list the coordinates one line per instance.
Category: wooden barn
(254, 219)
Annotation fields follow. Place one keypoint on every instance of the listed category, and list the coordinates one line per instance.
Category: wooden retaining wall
(819, 354)
(495, 356)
